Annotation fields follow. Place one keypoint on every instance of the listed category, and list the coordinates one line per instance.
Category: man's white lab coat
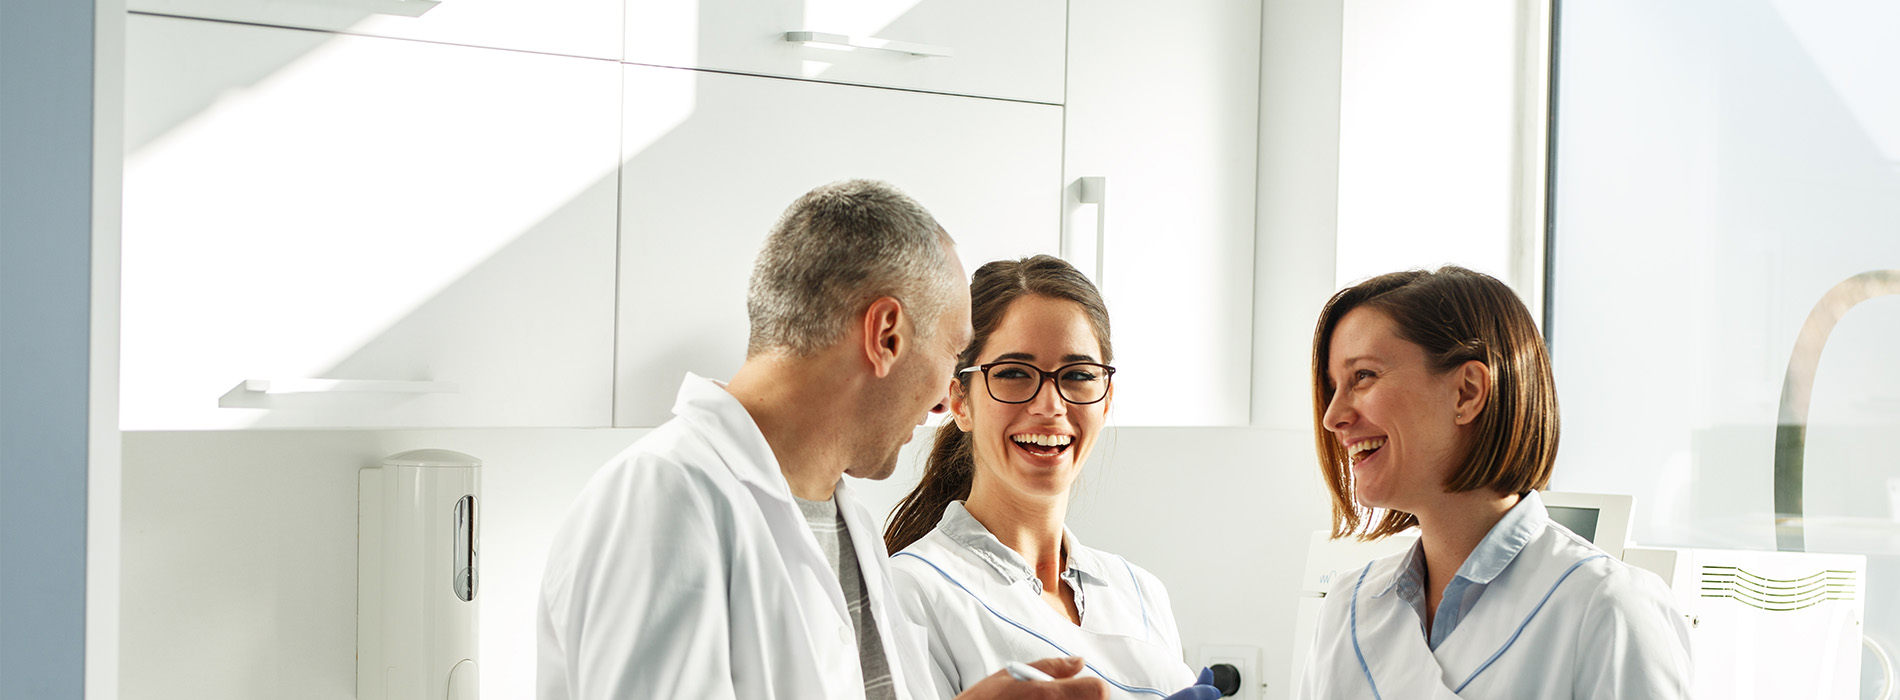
(685, 570)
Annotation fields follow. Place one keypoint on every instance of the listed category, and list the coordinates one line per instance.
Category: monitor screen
(1582, 521)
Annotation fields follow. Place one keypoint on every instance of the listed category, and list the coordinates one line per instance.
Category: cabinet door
(429, 228)
(995, 48)
(566, 27)
(1173, 129)
(712, 159)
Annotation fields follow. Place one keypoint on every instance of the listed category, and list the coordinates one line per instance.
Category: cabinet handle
(344, 386)
(1089, 191)
(865, 42)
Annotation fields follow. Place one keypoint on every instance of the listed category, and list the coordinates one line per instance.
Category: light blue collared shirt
(1500, 546)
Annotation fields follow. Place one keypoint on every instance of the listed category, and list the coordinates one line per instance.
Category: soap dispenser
(418, 573)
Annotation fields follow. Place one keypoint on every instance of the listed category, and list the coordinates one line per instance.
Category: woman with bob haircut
(1434, 407)
(984, 562)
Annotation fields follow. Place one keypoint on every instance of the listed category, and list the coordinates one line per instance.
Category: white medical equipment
(1762, 624)
(1601, 518)
(417, 573)
(1767, 624)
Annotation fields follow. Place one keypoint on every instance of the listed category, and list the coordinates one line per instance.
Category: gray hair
(832, 253)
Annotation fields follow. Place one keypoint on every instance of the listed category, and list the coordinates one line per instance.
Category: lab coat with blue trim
(1551, 616)
(982, 605)
(686, 570)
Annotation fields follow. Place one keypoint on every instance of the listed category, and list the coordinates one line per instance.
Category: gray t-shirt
(827, 524)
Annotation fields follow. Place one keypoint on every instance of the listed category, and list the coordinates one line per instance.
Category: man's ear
(1474, 390)
(885, 335)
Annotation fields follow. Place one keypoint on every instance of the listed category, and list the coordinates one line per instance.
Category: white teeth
(1043, 440)
(1363, 446)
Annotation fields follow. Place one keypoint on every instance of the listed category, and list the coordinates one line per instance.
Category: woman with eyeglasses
(983, 560)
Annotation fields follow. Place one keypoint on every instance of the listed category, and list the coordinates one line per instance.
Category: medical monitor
(1601, 518)
(1582, 521)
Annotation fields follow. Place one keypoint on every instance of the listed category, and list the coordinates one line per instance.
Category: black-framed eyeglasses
(1079, 383)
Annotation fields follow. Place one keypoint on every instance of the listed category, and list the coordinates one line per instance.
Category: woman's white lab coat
(685, 570)
(1563, 620)
(983, 608)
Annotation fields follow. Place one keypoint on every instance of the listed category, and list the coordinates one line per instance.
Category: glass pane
(1720, 166)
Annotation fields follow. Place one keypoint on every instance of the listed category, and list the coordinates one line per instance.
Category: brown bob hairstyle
(1455, 315)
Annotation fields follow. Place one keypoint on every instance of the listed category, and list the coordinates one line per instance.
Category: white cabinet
(434, 230)
(434, 223)
(712, 159)
(1010, 49)
(1173, 128)
(566, 27)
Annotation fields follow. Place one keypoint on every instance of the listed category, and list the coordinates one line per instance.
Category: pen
(1025, 672)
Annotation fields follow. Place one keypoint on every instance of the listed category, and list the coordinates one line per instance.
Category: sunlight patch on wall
(247, 225)
(657, 103)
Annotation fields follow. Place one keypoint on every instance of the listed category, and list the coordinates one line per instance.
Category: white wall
(240, 554)
(1441, 138)
(1223, 523)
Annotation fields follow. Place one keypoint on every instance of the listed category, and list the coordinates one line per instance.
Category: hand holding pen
(1203, 688)
(1047, 679)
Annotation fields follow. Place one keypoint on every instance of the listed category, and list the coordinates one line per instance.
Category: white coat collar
(963, 528)
(715, 411)
(1521, 524)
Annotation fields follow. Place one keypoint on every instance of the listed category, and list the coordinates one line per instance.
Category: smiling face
(1034, 449)
(1398, 421)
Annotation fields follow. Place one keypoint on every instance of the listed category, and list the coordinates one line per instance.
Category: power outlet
(1245, 658)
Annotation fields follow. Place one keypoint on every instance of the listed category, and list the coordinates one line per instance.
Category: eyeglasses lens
(1015, 382)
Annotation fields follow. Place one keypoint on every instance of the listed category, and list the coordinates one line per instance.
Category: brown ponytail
(951, 465)
(947, 474)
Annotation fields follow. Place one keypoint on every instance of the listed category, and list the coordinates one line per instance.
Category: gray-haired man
(723, 556)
